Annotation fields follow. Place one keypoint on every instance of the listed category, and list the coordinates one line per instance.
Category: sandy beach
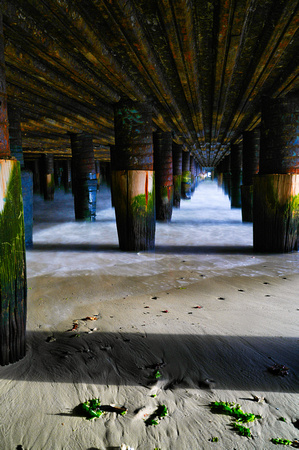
(203, 310)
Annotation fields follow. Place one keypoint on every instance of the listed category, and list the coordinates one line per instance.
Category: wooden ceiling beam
(203, 66)
(47, 50)
(266, 79)
(179, 27)
(20, 91)
(20, 59)
(142, 60)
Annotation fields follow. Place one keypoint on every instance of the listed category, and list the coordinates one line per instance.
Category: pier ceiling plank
(203, 65)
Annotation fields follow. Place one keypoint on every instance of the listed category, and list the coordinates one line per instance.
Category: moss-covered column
(13, 292)
(48, 183)
(276, 187)
(177, 159)
(16, 150)
(163, 175)
(84, 177)
(186, 176)
(236, 175)
(251, 153)
(13, 268)
(132, 173)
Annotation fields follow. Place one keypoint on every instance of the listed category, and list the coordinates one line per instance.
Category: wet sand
(204, 310)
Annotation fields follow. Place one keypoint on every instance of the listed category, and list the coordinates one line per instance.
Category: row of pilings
(149, 174)
(171, 173)
(145, 167)
(136, 191)
(261, 176)
(139, 197)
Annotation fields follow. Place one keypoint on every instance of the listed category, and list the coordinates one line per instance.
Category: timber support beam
(48, 184)
(163, 175)
(132, 174)
(84, 177)
(13, 289)
(236, 175)
(16, 150)
(186, 176)
(250, 153)
(276, 188)
(177, 158)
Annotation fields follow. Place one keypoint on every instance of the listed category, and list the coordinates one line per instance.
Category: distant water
(205, 230)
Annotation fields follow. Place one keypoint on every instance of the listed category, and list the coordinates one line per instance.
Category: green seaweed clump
(243, 431)
(160, 412)
(152, 422)
(281, 441)
(234, 410)
(92, 407)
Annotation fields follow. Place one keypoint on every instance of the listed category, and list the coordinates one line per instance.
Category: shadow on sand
(189, 360)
